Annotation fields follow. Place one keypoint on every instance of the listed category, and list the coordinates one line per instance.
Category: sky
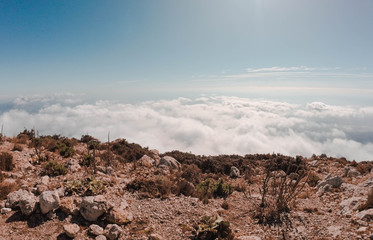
(73, 55)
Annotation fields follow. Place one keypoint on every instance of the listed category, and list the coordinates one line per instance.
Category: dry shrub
(284, 179)
(313, 179)
(225, 205)
(240, 185)
(184, 187)
(369, 202)
(17, 147)
(157, 187)
(1, 176)
(6, 188)
(364, 167)
(6, 161)
(191, 173)
(129, 152)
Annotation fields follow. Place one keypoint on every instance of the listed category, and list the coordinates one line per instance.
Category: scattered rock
(349, 205)
(100, 237)
(235, 172)
(367, 183)
(73, 165)
(96, 230)
(366, 215)
(113, 231)
(13, 198)
(252, 237)
(71, 230)
(49, 200)
(351, 172)
(155, 237)
(169, 162)
(40, 188)
(93, 207)
(334, 182)
(6, 210)
(44, 180)
(23, 199)
(120, 215)
(68, 206)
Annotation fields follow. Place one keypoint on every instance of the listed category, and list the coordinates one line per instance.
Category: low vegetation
(53, 168)
(88, 187)
(6, 161)
(213, 227)
(213, 189)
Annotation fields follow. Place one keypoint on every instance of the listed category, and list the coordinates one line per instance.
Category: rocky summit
(53, 187)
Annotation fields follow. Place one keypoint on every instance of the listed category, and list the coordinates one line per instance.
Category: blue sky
(211, 76)
(130, 50)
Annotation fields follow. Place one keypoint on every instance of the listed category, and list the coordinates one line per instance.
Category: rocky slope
(58, 188)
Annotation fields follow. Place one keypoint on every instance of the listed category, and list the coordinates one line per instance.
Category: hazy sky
(291, 49)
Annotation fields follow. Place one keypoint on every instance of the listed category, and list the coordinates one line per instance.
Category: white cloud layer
(208, 125)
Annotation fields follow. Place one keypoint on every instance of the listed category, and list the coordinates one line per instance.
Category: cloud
(280, 69)
(209, 125)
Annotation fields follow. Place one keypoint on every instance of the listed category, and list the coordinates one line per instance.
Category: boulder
(334, 182)
(13, 198)
(93, 207)
(49, 200)
(235, 172)
(169, 162)
(71, 230)
(146, 161)
(113, 231)
(120, 215)
(27, 204)
(23, 199)
(96, 230)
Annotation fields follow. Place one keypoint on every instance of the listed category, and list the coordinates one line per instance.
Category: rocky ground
(58, 188)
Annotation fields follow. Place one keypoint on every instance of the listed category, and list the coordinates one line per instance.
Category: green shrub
(88, 187)
(213, 189)
(6, 161)
(65, 151)
(211, 228)
(87, 160)
(53, 168)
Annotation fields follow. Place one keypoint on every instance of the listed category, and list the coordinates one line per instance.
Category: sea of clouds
(205, 125)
